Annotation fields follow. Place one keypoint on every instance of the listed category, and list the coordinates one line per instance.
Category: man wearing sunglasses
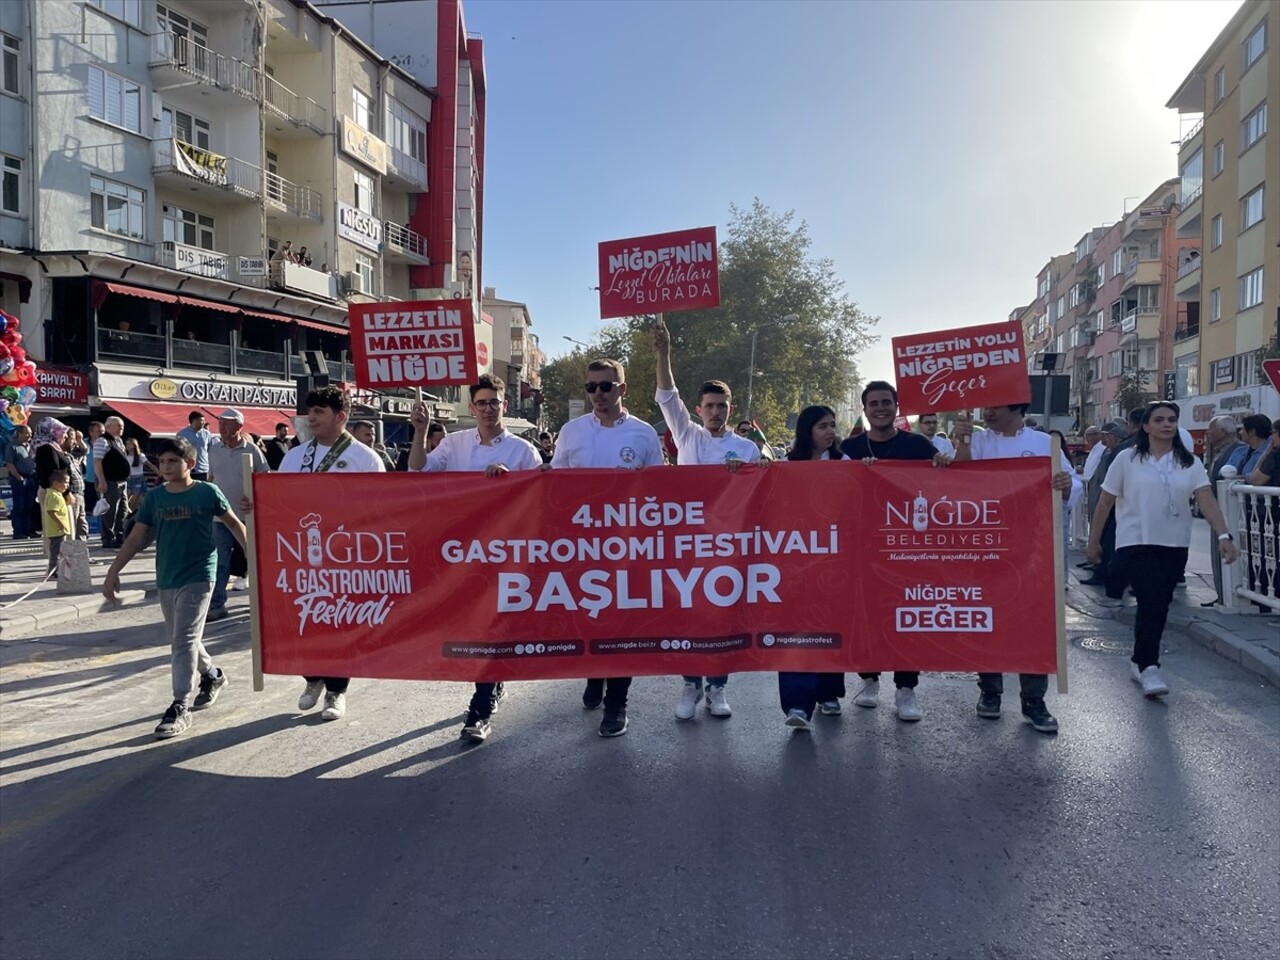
(607, 436)
(929, 430)
(489, 448)
(708, 443)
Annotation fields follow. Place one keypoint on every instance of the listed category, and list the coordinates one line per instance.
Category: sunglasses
(605, 386)
(488, 404)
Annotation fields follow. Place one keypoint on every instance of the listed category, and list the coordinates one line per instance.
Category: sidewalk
(1249, 639)
(23, 565)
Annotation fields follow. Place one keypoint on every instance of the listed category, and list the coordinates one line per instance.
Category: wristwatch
(1225, 536)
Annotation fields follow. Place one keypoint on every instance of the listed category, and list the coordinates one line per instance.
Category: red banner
(418, 343)
(58, 387)
(667, 571)
(661, 273)
(960, 369)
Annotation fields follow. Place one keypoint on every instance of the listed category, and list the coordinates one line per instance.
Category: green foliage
(767, 272)
(1133, 391)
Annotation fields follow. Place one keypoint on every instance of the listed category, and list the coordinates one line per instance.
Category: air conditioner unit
(353, 282)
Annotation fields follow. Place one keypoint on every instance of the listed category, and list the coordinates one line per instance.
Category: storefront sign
(359, 227)
(163, 389)
(363, 145)
(1224, 370)
(284, 396)
(252, 267)
(197, 260)
(658, 572)
(1198, 411)
(661, 273)
(961, 369)
(58, 387)
(417, 343)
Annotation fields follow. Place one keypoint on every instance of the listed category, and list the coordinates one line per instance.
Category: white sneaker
(1134, 673)
(904, 699)
(1153, 685)
(797, 720)
(717, 705)
(868, 694)
(240, 584)
(335, 705)
(311, 696)
(830, 709)
(688, 702)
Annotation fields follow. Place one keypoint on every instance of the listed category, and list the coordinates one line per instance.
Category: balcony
(1145, 321)
(189, 352)
(1138, 272)
(1147, 220)
(404, 171)
(1186, 331)
(340, 371)
(1187, 286)
(271, 362)
(300, 279)
(291, 116)
(295, 202)
(177, 60)
(204, 172)
(194, 260)
(403, 245)
(127, 345)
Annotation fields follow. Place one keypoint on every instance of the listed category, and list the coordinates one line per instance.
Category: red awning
(317, 325)
(187, 301)
(101, 289)
(259, 420)
(265, 316)
(156, 418)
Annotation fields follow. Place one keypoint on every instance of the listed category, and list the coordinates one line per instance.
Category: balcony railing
(1194, 130)
(404, 240)
(186, 56)
(1130, 268)
(294, 276)
(186, 160)
(294, 199)
(196, 260)
(261, 361)
(1188, 266)
(1192, 196)
(132, 346)
(1130, 321)
(198, 353)
(408, 167)
(1186, 331)
(300, 111)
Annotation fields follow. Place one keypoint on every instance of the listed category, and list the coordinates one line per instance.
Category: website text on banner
(662, 273)
(417, 343)
(799, 567)
(961, 369)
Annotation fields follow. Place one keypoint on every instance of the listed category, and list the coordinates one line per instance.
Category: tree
(562, 380)
(1132, 390)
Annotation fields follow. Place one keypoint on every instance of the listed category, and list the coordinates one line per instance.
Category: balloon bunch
(17, 376)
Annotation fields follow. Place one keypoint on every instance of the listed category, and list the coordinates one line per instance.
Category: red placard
(669, 571)
(58, 387)
(415, 343)
(661, 273)
(959, 369)
(1272, 369)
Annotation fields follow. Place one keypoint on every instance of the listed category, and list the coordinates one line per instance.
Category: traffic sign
(1272, 369)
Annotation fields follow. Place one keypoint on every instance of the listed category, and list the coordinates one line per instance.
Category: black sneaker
(499, 692)
(215, 614)
(210, 687)
(476, 728)
(1039, 716)
(176, 719)
(593, 695)
(989, 706)
(614, 723)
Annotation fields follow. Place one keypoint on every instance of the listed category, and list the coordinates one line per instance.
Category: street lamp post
(751, 370)
(578, 342)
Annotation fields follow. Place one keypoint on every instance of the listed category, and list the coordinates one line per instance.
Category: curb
(74, 608)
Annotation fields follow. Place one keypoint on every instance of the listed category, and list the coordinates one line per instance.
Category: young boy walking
(180, 513)
(57, 515)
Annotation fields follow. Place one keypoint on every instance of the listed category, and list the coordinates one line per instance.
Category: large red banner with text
(688, 570)
(415, 343)
(961, 369)
(661, 273)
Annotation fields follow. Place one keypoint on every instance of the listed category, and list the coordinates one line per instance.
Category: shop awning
(316, 325)
(187, 301)
(156, 418)
(102, 288)
(259, 420)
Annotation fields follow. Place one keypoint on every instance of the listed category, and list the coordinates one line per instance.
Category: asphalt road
(1142, 830)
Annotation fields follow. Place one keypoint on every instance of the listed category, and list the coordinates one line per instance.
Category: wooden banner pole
(251, 554)
(1059, 568)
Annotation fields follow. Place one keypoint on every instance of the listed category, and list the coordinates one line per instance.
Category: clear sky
(940, 152)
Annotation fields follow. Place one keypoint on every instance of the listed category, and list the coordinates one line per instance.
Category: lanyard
(339, 447)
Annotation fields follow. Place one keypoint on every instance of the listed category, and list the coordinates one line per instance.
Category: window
(1101, 277)
(188, 227)
(364, 192)
(1251, 208)
(1253, 46)
(1115, 363)
(114, 99)
(1075, 295)
(1061, 308)
(1193, 176)
(360, 108)
(1152, 249)
(406, 131)
(10, 189)
(1247, 373)
(1220, 85)
(9, 76)
(1148, 298)
(130, 11)
(1215, 305)
(1117, 263)
(1101, 321)
(364, 270)
(1215, 232)
(177, 25)
(1253, 127)
(117, 208)
(1219, 157)
(185, 127)
(1250, 294)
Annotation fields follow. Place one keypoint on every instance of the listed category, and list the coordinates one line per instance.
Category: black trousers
(332, 684)
(907, 679)
(1153, 571)
(803, 691)
(615, 691)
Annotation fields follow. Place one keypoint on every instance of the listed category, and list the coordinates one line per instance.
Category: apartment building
(1228, 270)
(516, 358)
(160, 159)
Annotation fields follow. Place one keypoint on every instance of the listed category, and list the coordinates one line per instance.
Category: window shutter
(133, 107)
(96, 102)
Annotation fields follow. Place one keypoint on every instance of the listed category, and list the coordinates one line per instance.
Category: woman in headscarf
(50, 439)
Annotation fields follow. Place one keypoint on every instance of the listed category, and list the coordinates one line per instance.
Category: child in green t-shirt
(180, 513)
(57, 515)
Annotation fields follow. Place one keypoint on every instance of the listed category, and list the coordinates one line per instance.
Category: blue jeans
(803, 691)
(26, 516)
(223, 541)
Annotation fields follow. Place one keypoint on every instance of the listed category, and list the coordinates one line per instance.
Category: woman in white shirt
(798, 693)
(1150, 487)
(139, 467)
